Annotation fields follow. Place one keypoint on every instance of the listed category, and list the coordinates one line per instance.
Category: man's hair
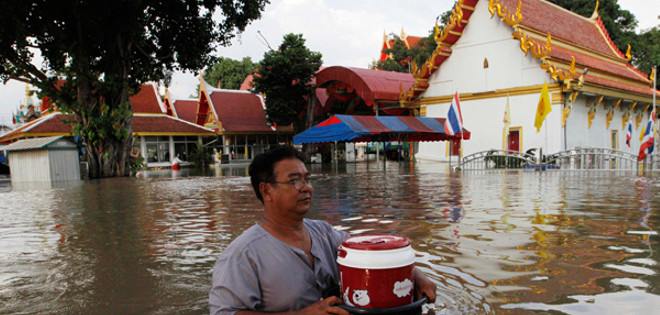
(261, 168)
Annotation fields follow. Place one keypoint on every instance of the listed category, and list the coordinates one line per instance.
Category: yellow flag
(543, 108)
(641, 134)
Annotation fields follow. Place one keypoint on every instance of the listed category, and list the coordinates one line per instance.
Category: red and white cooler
(376, 271)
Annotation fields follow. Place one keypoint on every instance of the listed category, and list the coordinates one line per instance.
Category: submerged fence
(573, 159)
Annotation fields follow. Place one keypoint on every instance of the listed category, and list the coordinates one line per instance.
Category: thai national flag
(647, 143)
(629, 132)
(454, 121)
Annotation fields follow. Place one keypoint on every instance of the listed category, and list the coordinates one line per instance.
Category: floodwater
(499, 242)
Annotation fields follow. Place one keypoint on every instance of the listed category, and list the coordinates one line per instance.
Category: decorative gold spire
(628, 55)
(595, 14)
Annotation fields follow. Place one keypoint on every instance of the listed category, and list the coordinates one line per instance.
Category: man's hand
(423, 286)
(324, 306)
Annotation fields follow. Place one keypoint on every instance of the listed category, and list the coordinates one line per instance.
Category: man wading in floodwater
(285, 263)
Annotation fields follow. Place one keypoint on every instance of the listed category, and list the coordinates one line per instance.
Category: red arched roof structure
(373, 86)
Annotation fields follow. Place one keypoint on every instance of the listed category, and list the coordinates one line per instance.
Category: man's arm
(324, 306)
(423, 286)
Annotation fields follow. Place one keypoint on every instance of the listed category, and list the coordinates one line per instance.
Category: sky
(346, 32)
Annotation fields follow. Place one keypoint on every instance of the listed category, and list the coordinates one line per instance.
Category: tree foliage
(284, 77)
(97, 53)
(402, 57)
(230, 72)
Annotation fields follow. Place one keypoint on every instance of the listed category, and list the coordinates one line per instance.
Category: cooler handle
(341, 252)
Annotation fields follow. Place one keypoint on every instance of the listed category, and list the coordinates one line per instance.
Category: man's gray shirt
(261, 273)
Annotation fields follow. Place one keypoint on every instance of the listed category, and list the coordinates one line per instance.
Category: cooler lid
(376, 242)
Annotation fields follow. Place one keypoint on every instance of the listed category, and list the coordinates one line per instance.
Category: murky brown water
(495, 242)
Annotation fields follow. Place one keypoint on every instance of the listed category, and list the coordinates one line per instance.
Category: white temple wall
(508, 67)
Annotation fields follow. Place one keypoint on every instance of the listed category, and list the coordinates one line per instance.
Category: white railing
(574, 159)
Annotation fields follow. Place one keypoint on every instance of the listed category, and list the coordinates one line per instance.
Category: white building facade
(483, 59)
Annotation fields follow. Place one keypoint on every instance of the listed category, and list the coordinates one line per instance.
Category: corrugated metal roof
(31, 144)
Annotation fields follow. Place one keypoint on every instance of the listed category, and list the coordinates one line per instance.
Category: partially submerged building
(158, 137)
(44, 159)
(499, 52)
(239, 118)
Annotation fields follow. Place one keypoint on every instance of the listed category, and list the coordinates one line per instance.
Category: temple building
(158, 136)
(500, 53)
(239, 118)
(388, 43)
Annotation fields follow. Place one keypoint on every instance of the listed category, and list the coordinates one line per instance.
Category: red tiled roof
(164, 124)
(546, 17)
(413, 40)
(593, 62)
(562, 24)
(583, 34)
(186, 109)
(239, 111)
(247, 83)
(369, 84)
(47, 124)
(55, 124)
(146, 100)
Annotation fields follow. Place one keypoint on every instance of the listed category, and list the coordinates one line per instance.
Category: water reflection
(495, 242)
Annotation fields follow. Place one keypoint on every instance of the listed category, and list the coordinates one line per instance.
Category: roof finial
(403, 35)
(628, 55)
(595, 15)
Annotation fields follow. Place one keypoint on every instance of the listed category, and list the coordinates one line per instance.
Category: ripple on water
(493, 241)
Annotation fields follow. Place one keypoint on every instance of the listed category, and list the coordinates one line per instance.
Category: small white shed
(46, 159)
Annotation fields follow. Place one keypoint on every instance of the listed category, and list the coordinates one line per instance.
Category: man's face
(286, 198)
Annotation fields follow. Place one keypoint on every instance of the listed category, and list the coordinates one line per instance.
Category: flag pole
(655, 138)
(450, 152)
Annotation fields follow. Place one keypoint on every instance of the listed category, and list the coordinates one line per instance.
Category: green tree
(200, 156)
(230, 72)
(647, 55)
(103, 50)
(403, 58)
(284, 77)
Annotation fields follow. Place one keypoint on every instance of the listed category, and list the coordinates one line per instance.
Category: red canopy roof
(370, 85)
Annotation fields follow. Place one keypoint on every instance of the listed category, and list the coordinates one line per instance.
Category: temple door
(514, 140)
